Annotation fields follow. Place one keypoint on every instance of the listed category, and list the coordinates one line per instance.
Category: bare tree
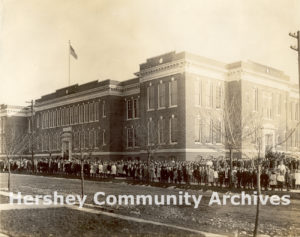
(15, 143)
(231, 125)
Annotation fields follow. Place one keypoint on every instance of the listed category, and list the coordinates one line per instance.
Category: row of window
(132, 108)
(83, 113)
(160, 131)
(156, 133)
(89, 139)
(208, 131)
(82, 140)
(204, 91)
(162, 88)
(272, 105)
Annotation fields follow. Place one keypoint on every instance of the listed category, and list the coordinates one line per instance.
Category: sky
(112, 37)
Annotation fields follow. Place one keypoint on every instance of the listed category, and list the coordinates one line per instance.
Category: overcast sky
(112, 37)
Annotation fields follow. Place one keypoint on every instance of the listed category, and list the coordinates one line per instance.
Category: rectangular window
(218, 96)
(103, 109)
(96, 109)
(71, 115)
(198, 93)
(103, 137)
(209, 94)
(255, 99)
(86, 113)
(129, 137)
(218, 132)
(279, 104)
(150, 97)
(173, 130)
(81, 145)
(210, 137)
(37, 122)
(135, 108)
(67, 116)
(96, 139)
(76, 114)
(135, 137)
(76, 141)
(129, 109)
(162, 95)
(173, 93)
(91, 112)
(55, 118)
(62, 116)
(150, 132)
(198, 130)
(81, 114)
(91, 139)
(161, 131)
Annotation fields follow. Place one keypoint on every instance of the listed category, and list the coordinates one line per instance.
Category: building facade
(179, 106)
(14, 127)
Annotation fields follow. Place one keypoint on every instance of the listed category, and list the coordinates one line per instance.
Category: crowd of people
(283, 174)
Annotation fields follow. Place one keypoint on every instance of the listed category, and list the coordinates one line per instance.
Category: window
(91, 112)
(211, 124)
(81, 141)
(96, 109)
(86, 113)
(161, 130)
(173, 129)
(37, 122)
(103, 137)
(103, 109)
(55, 115)
(129, 137)
(76, 140)
(162, 95)
(255, 99)
(268, 105)
(129, 109)
(173, 93)
(76, 114)
(150, 97)
(135, 108)
(47, 119)
(55, 141)
(86, 139)
(71, 115)
(91, 139)
(291, 110)
(96, 138)
(279, 104)
(62, 117)
(198, 130)
(150, 132)
(81, 114)
(218, 96)
(135, 137)
(198, 93)
(209, 94)
(218, 132)
(208, 131)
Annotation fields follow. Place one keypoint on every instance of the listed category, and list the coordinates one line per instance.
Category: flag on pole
(72, 52)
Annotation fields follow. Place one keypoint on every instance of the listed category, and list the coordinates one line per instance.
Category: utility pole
(31, 135)
(297, 48)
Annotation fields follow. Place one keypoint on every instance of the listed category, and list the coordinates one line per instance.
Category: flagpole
(69, 63)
